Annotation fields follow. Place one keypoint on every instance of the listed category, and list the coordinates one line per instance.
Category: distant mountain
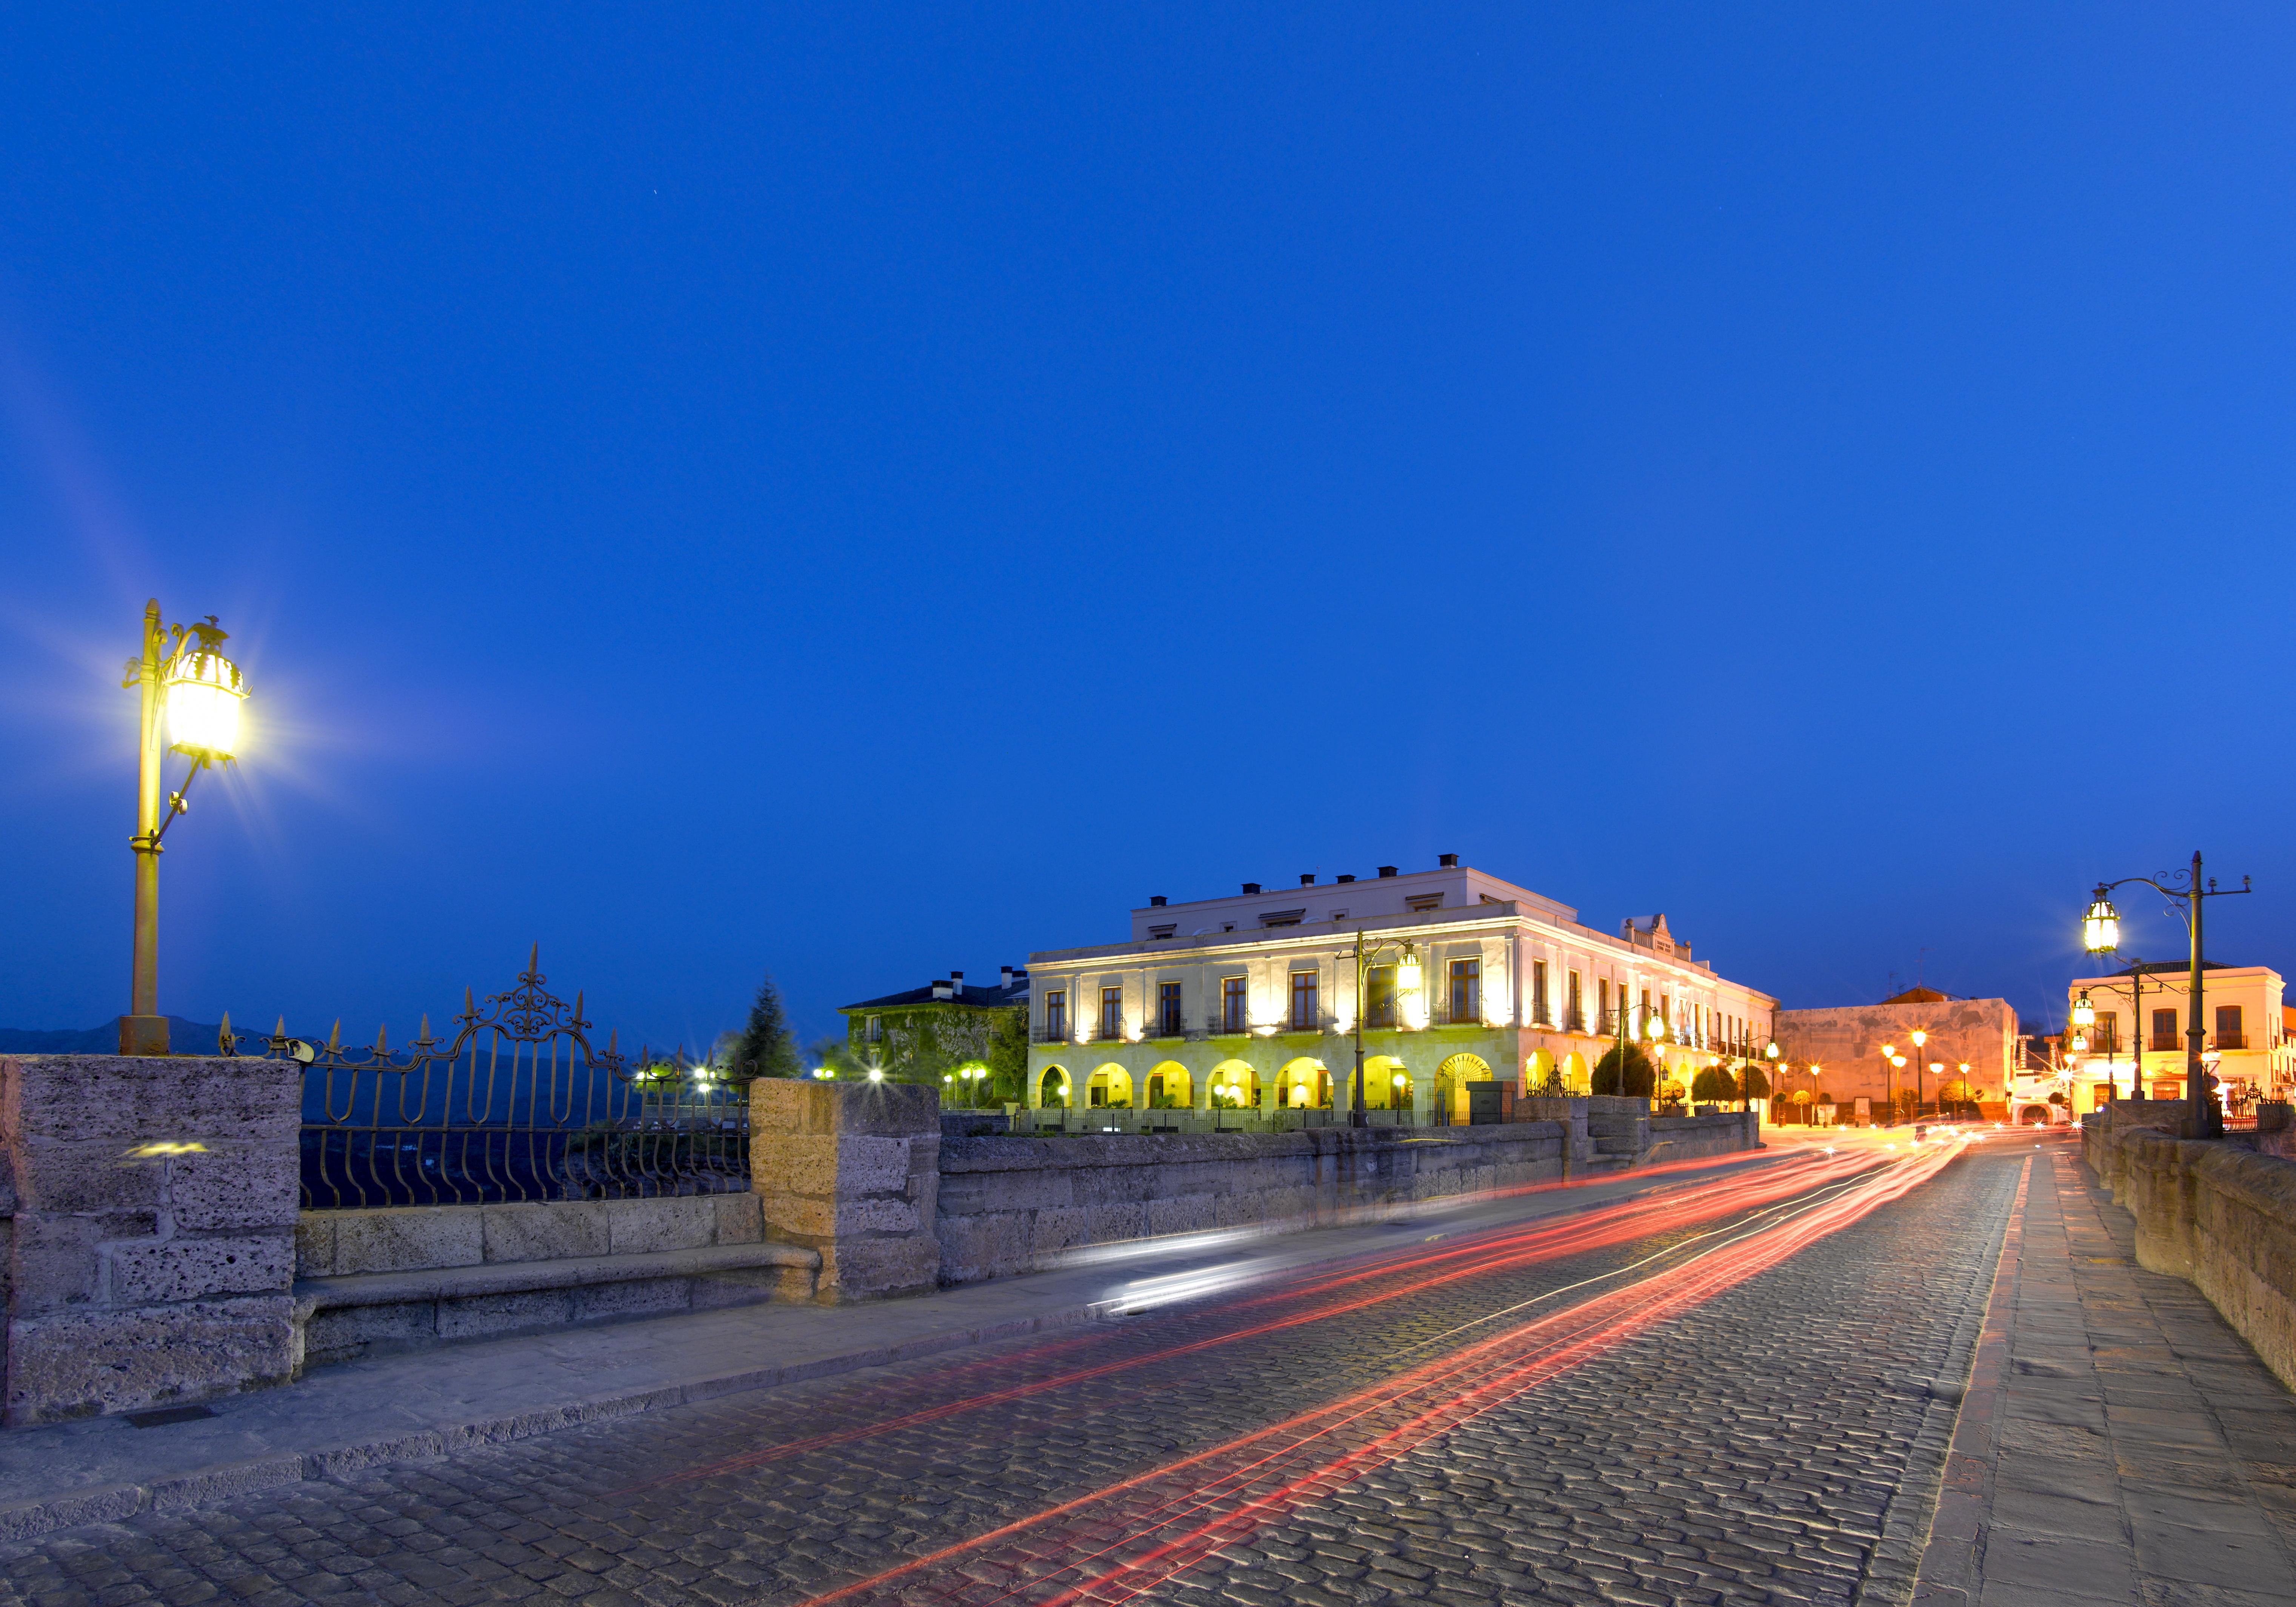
(184, 1037)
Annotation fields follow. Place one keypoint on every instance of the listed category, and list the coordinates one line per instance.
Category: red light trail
(1603, 1227)
(1127, 1538)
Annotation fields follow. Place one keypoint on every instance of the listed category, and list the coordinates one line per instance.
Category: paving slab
(419, 1404)
(2118, 1442)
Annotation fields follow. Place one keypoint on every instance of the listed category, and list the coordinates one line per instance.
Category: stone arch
(1169, 1087)
(1382, 1091)
(1451, 1080)
(1577, 1077)
(2032, 1115)
(1538, 1068)
(1053, 1087)
(1110, 1086)
(1304, 1083)
(1238, 1076)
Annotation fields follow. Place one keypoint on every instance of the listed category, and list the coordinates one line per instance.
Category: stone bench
(397, 1278)
(366, 1314)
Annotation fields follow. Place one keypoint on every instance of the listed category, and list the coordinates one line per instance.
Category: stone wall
(1846, 1042)
(152, 1245)
(1010, 1205)
(851, 1171)
(332, 1244)
(2222, 1216)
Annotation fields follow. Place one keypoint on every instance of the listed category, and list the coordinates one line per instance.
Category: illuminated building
(2244, 1018)
(1249, 1002)
(1857, 1047)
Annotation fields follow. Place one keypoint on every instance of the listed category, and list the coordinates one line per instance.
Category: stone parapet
(2223, 1217)
(851, 1170)
(152, 1246)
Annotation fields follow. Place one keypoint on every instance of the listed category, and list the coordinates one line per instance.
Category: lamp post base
(143, 1035)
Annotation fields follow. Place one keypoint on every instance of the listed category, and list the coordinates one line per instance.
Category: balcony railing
(2166, 1044)
(1109, 1031)
(1445, 1016)
(1050, 1032)
(1229, 1027)
(1313, 1024)
(2232, 1041)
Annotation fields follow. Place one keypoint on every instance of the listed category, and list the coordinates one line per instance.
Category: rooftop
(1012, 989)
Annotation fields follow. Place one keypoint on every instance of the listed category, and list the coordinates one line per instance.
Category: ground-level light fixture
(193, 693)
(877, 1073)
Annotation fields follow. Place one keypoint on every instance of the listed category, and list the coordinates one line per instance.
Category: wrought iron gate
(517, 1106)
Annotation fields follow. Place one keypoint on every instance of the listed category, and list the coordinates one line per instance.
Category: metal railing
(1049, 1033)
(517, 1106)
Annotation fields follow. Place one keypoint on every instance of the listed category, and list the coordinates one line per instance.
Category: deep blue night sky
(864, 492)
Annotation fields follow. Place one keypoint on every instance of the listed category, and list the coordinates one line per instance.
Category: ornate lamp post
(2101, 930)
(1409, 976)
(182, 676)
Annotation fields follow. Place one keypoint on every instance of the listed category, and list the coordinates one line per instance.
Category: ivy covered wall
(919, 1043)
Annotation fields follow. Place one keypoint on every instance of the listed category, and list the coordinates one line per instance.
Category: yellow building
(1249, 1004)
(2137, 1039)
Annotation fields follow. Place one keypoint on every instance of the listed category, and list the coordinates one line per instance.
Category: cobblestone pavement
(1780, 1442)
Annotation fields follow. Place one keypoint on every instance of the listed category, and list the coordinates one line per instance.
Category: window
(1232, 1004)
(1576, 1004)
(1158, 933)
(1378, 996)
(2164, 1029)
(1056, 1015)
(2104, 1036)
(1601, 1004)
(1422, 901)
(1111, 1012)
(1538, 993)
(1168, 1008)
(1303, 998)
(875, 1031)
(1466, 990)
(2229, 1033)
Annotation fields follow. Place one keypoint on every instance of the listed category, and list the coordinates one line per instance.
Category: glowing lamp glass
(204, 692)
(2101, 926)
(1920, 1037)
(1407, 974)
(2084, 1012)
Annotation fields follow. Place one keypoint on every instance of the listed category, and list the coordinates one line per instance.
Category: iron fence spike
(280, 1031)
(335, 1036)
(534, 958)
(381, 1039)
(424, 1033)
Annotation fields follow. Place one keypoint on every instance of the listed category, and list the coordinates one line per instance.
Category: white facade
(1256, 994)
(2241, 1012)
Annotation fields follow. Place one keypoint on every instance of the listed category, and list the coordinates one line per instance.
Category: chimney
(1344, 878)
(1307, 880)
(942, 989)
(1387, 871)
(1251, 887)
(1448, 861)
(956, 983)
(1005, 975)
(1155, 901)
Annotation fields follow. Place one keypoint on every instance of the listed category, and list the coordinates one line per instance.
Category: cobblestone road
(1778, 1442)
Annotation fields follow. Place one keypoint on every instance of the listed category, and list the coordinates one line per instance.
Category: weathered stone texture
(152, 1246)
(852, 1171)
(2218, 1214)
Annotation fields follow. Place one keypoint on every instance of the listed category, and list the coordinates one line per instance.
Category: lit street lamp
(1408, 979)
(2101, 930)
(186, 681)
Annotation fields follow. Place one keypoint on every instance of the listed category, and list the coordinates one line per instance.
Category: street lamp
(1920, 1036)
(1409, 976)
(2101, 930)
(184, 677)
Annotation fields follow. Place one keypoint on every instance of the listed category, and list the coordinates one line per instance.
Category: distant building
(932, 1034)
(1249, 1003)
(1852, 1049)
(2143, 1038)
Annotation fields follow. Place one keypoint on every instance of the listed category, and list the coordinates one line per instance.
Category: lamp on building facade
(1409, 976)
(192, 689)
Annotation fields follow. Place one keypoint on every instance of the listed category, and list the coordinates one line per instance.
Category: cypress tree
(767, 1049)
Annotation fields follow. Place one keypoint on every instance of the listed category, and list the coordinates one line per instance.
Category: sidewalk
(2118, 1443)
(429, 1403)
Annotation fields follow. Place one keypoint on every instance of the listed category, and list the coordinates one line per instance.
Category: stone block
(55, 1261)
(1189, 1214)
(131, 1098)
(871, 1269)
(344, 1331)
(635, 1227)
(81, 1364)
(740, 1219)
(1112, 1224)
(639, 1298)
(548, 1232)
(408, 1238)
(235, 1188)
(315, 1244)
(751, 1286)
(83, 1176)
(149, 1271)
(488, 1316)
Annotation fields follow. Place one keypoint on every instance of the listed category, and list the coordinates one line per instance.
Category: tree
(1008, 1058)
(1753, 1083)
(768, 1047)
(834, 1052)
(1641, 1075)
(1713, 1086)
